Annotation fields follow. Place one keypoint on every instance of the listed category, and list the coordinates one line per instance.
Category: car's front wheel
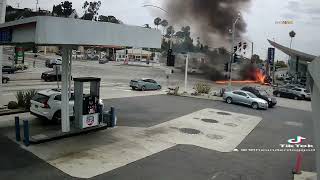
(133, 88)
(296, 98)
(255, 105)
(278, 95)
(159, 87)
(143, 88)
(229, 100)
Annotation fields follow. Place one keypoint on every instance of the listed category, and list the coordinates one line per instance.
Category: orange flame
(259, 78)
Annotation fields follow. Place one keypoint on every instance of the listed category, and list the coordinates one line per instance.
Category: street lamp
(231, 49)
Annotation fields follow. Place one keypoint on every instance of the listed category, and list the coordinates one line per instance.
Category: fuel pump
(87, 108)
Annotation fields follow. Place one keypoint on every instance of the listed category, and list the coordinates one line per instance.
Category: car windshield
(251, 95)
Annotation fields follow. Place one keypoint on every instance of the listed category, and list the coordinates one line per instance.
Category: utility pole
(3, 5)
(18, 5)
(251, 49)
(186, 74)
(231, 50)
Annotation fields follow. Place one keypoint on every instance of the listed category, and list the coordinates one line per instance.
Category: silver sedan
(244, 97)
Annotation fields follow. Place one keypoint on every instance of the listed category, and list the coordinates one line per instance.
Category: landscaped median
(22, 104)
(201, 91)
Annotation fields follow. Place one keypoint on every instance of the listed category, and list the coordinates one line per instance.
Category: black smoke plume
(208, 17)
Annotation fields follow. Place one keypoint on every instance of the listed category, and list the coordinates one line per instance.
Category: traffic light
(226, 67)
(170, 58)
(236, 58)
(244, 45)
(235, 49)
(240, 44)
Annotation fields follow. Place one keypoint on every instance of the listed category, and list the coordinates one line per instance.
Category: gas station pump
(87, 109)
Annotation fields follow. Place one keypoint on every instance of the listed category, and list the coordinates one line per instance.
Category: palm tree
(157, 21)
(164, 23)
(292, 34)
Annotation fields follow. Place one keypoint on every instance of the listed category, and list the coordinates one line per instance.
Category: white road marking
(291, 123)
(97, 153)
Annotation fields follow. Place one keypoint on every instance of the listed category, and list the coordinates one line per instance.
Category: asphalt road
(184, 161)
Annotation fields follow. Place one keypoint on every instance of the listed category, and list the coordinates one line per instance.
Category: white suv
(305, 94)
(47, 104)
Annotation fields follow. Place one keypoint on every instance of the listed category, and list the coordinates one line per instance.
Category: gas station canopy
(68, 32)
(294, 53)
(47, 30)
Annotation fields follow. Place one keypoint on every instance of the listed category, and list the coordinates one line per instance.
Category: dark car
(5, 80)
(9, 69)
(287, 93)
(103, 61)
(262, 95)
(51, 76)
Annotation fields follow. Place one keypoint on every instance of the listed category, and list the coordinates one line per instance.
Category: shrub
(13, 105)
(20, 98)
(24, 98)
(28, 97)
(202, 88)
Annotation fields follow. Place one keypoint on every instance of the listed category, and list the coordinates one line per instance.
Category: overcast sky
(261, 18)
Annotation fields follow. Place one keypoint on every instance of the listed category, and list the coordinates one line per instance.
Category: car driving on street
(51, 75)
(144, 84)
(246, 98)
(51, 62)
(9, 69)
(261, 94)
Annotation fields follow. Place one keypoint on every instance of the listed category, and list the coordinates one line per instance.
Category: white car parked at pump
(47, 104)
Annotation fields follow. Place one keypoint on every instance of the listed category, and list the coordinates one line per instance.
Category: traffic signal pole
(231, 53)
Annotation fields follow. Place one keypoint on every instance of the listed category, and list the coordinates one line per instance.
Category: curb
(15, 111)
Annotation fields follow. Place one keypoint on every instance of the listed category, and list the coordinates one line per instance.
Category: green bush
(202, 88)
(24, 98)
(20, 98)
(13, 105)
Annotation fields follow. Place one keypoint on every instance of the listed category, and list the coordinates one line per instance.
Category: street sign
(19, 55)
(271, 54)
